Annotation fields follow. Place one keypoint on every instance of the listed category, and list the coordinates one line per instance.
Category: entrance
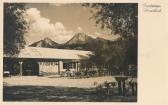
(30, 68)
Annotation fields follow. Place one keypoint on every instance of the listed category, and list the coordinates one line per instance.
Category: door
(30, 68)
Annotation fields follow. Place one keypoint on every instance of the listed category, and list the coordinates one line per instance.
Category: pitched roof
(50, 53)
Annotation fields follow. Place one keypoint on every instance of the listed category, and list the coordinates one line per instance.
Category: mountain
(82, 41)
(46, 42)
(80, 38)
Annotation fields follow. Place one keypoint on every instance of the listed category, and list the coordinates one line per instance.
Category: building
(44, 61)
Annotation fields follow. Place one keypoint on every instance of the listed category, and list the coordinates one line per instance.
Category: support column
(78, 66)
(60, 66)
(40, 70)
(85, 66)
(20, 63)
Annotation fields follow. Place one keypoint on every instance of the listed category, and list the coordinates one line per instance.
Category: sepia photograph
(70, 52)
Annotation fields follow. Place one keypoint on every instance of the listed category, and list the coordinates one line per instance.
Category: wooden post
(21, 68)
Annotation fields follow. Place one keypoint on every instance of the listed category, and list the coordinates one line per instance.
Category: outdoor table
(121, 83)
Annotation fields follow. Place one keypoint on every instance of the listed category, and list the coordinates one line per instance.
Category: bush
(78, 74)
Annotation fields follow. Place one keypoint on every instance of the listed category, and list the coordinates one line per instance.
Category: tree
(108, 55)
(122, 19)
(15, 27)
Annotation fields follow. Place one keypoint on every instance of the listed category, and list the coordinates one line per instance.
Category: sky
(60, 22)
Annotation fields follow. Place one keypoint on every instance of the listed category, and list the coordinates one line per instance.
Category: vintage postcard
(83, 51)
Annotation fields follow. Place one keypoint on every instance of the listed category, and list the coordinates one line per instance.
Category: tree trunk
(133, 91)
(119, 87)
(124, 87)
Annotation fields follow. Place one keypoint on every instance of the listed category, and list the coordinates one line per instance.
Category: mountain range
(79, 41)
(46, 42)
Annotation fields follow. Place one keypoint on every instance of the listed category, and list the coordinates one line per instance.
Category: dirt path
(63, 82)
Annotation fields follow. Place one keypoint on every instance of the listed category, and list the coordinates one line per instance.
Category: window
(71, 65)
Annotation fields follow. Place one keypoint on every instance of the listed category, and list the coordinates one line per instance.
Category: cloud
(56, 4)
(79, 29)
(110, 37)
(97, 34)
(105, 36)
(40, 27)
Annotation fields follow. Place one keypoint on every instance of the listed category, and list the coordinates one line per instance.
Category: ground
(54, 81)
(60, 90)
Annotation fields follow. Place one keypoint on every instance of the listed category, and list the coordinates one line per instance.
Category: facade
(45, 61)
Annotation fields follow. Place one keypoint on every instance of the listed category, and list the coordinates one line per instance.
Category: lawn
(60, 94)
(34, 88)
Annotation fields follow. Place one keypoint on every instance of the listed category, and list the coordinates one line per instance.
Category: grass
(60, 94)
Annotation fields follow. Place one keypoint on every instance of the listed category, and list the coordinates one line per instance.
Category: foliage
(78, 74)
(122, 19)
(106, 88)
(15, 27)
(108, 55)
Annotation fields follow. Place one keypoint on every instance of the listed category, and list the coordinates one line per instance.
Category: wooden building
(44, 61)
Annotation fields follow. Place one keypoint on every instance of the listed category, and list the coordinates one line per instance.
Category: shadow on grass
(60, 94)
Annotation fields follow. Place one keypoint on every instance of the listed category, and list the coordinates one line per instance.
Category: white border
(152, 53)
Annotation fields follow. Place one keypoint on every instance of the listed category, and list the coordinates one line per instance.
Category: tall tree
(15, 27)
(122, 19)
